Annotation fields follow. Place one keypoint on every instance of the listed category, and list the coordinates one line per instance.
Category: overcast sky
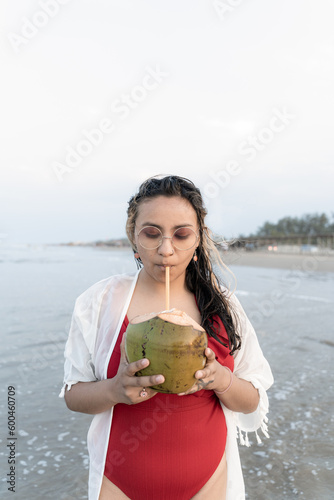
(98, 95)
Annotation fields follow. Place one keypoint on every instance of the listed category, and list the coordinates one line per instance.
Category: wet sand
(304, 262)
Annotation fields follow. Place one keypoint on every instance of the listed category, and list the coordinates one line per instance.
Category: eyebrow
(160, 227)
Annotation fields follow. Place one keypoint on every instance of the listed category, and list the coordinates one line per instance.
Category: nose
(166, 246)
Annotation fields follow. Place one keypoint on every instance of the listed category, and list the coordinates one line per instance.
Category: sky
(98, 95)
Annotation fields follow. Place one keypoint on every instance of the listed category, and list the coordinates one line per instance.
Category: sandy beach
(303, 262)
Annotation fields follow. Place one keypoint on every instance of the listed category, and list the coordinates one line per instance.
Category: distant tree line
(308, 225)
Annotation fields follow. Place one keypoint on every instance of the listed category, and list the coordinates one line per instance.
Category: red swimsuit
(169, 446)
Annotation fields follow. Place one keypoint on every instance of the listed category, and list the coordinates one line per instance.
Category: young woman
(145, 445)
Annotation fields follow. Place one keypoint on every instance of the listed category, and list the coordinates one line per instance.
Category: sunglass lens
(184, 238)
(150, 237)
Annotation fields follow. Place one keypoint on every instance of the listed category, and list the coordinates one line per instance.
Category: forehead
(163, 210)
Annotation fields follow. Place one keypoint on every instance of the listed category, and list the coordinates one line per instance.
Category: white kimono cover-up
(96, 322)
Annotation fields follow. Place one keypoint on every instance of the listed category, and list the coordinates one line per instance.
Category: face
(168, 214)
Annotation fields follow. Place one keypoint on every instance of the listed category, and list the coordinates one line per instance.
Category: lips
(163, 266)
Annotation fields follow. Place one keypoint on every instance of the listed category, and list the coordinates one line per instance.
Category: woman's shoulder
(115, 283)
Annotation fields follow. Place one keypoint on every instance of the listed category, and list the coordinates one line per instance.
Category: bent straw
(167, 288)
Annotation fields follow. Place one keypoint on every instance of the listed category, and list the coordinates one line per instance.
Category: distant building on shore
(286, 244)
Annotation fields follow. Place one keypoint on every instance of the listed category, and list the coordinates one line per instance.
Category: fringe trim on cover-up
(243, 438)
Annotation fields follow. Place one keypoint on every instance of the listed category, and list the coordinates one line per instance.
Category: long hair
(201, 279)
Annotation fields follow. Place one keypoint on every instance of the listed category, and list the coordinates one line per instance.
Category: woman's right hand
(127, 387)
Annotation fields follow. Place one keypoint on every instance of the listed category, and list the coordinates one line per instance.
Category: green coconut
(174, 344)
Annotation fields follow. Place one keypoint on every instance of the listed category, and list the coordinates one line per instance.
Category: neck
(177, 285)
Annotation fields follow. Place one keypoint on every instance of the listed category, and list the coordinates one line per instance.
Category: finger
(149, 393)
(133, 368)
(207, 370)
(147, 381)
(192, 389)
(184, 393)
(210, 354)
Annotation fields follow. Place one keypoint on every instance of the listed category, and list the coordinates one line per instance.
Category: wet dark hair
(201, 279)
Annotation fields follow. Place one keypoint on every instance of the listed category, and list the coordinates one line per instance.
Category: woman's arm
(241, 396)
(98, 396)
(90, 397)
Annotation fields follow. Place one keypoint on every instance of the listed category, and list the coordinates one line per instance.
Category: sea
(43, 451)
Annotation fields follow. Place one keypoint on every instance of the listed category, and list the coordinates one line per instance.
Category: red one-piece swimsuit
(167, 447)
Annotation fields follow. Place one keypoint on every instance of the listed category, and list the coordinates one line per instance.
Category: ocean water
(291, 310)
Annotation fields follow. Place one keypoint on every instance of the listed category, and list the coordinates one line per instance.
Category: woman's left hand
(205, 377)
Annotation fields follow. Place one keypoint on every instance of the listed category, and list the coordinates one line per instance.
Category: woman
(146, 445)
